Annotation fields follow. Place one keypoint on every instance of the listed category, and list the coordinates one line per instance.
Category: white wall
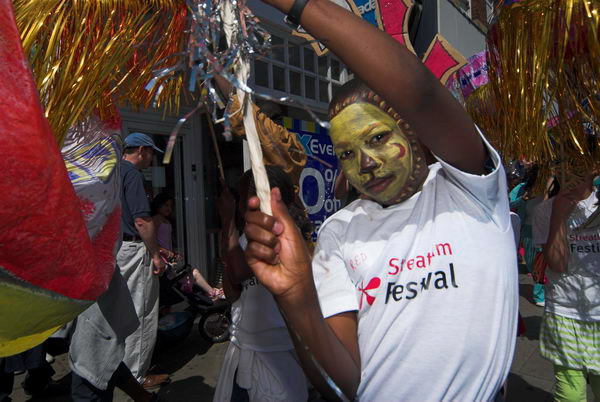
(458, 29)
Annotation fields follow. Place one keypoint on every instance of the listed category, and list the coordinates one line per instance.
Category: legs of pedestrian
(538, 294)
(595, 384)
(135, 266)
(570, 385)
(6, 382)
(83, 391)
(125, 380)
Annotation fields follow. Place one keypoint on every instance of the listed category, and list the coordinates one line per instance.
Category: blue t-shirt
(134, 202)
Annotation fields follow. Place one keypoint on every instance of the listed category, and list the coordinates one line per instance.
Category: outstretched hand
(276, 251)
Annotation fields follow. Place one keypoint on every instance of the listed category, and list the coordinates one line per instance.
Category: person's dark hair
(131, 150)
(531, 177)
(158, 201)
(279, 178)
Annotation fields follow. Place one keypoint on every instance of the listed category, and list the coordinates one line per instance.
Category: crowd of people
(411, 292)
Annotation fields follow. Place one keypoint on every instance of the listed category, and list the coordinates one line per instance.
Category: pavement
(194, 365)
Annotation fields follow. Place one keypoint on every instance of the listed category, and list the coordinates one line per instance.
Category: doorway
(182, 178)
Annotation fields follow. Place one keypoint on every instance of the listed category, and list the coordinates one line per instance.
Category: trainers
(540, 304)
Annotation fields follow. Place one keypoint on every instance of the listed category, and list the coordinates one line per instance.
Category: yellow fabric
(32, 321)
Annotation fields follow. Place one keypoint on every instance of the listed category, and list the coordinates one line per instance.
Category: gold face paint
(375, 154)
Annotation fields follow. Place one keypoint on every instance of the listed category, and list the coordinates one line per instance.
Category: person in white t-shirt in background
(412, 293)
(568, 228)
(260, 363)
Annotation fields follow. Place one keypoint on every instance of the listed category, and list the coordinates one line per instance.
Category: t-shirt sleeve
(135, 195)
(489, 190)
(336, 292)
(515, 222)
(541, 223)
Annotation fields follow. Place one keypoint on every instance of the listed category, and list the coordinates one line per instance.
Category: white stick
(261, 181)
(242, 73)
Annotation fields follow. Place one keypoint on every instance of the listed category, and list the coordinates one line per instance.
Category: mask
(377, 157)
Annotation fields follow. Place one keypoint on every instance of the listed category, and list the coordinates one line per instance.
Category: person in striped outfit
(568, 226)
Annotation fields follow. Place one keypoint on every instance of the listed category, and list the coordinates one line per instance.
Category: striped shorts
(571, 343)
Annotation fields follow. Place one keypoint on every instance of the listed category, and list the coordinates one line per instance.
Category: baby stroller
(215, 316)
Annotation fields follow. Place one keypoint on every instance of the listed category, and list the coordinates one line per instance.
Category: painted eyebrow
(370, 128)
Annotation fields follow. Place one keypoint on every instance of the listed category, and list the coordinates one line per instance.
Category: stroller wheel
(214, 327)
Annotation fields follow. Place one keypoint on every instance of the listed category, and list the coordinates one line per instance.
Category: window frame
(304, 47)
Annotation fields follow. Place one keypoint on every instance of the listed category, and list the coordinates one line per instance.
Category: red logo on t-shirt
(372, 285)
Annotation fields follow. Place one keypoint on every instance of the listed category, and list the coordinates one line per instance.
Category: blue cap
(140, 140)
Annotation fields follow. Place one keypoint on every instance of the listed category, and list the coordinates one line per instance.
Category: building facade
(291, 70)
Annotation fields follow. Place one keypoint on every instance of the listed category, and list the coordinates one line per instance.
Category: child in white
(429, 278)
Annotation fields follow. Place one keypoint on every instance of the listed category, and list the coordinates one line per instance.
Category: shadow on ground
(188, 389)
(170, 358)
(520, 390)
(532, 327)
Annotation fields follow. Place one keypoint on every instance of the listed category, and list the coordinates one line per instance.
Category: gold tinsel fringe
(92, 55)
(544, 72)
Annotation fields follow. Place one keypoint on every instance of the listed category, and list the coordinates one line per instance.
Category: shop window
(336, 70)
(292, 68)
(294, 55)
(334, 89)
(309, 60)
(309, 87)
(323, 66)
(464, 6)
(295, 83)
(261, 73)
(278, 78)
(277, 48)
(323, 91)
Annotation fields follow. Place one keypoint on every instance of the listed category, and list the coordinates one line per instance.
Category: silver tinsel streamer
(207, 55)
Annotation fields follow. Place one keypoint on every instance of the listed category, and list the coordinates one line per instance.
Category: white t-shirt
(576, 293)
(434, 281)
(256, 321)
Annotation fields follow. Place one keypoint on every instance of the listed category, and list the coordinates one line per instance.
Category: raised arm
(556, 251)
(393, 72)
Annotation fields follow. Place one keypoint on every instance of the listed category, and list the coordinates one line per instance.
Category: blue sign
(368, 10)
(317, 181)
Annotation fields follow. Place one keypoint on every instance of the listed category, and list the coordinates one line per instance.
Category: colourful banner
(470, 77)
(317, 181)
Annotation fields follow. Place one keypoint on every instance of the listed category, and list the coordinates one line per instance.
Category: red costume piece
(43, 237)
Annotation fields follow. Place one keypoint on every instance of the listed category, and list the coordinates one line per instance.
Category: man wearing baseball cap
(139, 257)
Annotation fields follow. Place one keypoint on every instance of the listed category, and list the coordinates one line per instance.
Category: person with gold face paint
(379, 158)
(411, 293)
